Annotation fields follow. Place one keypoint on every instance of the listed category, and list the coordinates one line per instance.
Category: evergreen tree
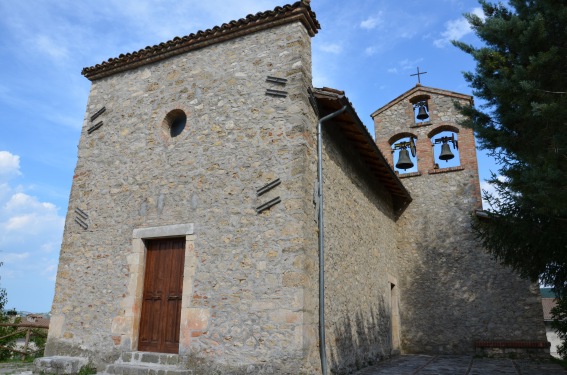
(521, 74)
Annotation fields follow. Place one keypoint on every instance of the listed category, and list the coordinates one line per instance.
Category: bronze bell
(404, 161)
(422, 113)
(446, 153)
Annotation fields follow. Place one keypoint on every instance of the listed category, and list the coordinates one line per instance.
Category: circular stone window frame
(174, 123)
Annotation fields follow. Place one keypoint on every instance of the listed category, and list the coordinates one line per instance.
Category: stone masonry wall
(248, 296)
(360, 257)
(452, 292)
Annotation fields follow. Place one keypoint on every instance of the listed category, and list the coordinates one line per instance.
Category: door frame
(126, 326)
(163, 276)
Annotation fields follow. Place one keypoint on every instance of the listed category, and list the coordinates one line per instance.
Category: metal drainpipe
(322, 348)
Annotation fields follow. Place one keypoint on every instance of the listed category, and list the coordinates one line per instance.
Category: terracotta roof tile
(329, 100)
(37, 320)
(299, 11)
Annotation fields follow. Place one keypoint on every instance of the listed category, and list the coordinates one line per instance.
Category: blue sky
(368, 48)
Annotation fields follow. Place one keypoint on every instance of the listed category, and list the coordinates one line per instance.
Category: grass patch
(87, 369)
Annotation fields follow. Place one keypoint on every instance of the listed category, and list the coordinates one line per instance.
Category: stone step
(145, 369)
(59, 365)
(149, 358)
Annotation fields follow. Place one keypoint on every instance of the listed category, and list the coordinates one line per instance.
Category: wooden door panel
(163, 287)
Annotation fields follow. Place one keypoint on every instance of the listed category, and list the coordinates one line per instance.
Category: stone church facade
(192, 220)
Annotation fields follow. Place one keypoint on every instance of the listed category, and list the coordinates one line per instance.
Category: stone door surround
(126, 326)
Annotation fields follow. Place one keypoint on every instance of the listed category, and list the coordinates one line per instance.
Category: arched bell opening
(405, 154)
(445, 149)
(420, 106)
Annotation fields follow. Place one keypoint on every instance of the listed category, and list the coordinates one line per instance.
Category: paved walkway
(461, 365)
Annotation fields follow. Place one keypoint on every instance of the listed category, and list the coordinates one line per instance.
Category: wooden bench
(503, 348)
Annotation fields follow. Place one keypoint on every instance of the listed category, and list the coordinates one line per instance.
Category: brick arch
(434, 156)
(419, 98)
(399, 136)
(442, 128)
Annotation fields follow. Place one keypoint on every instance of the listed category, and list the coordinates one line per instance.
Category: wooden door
(161, 305)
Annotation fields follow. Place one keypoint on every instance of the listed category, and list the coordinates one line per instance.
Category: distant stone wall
(360, 257)
(452, 292)
(246, 272)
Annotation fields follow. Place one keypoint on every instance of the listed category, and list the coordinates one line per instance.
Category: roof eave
(298, 12)
(386, 174)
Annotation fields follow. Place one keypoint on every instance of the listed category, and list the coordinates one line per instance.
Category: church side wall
(360, 255)
(245, 273)
(452, 292)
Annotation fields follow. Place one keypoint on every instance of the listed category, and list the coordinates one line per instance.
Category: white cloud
(320, 79)
(56, 51)
(9, 165)
(15, 257)
(405, 65)
(372, 22)
(30, 231)
(48, 247)
(24, 215)
(371, 50)
(50, 272)
(22, 202)
(456, 29)
(408, 64)
(332, 48)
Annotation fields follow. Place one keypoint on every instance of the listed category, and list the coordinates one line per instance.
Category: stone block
(59, 365)
(197, 318)
(56, 326)
(121, 325)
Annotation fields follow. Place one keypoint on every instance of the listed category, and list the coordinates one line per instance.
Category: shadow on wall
(359, 342)
(439, 295)
(350, 164)
(454, 293)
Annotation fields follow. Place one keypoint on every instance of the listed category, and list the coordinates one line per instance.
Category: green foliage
(9, 335)
(521, 75)
(3, 298)
(559, 323)
(5, 331)
(88, 369)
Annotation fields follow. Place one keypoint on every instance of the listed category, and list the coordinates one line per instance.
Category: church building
(193, 233)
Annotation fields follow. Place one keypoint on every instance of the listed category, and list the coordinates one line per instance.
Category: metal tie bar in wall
(268, 204)
(81, 218)
(81, 223)
(93, 128)
(268, 187)
(279, 80)
(279, 93)
(99, 112)
(81, 213)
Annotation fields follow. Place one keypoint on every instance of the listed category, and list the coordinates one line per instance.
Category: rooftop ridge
(299, 11)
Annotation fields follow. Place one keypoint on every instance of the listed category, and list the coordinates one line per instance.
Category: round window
(174, 123)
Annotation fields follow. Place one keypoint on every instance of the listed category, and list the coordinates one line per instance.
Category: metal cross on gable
(418, 74)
